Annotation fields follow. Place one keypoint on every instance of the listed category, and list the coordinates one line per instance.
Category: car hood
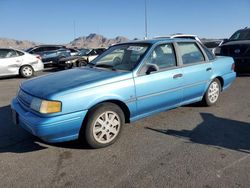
(236, 42)
(71, 80)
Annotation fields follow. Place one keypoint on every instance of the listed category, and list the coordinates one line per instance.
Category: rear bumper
(50, 129)
(39, 66)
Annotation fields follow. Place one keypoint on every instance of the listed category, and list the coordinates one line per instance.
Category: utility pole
(74, 30)
(146, 20)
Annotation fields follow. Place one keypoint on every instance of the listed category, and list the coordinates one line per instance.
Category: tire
(68, 66)
(82, 63)
(26, 71)
(100, 132)
(213, 92)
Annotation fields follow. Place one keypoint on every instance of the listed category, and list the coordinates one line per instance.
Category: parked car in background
(95, 101)
(41, 49)
(17, 62)
(92, 54)
(73, 51)
(238, 47)
(77, 60)
(50, 54)
(181, 35)
(81, 59)
(212, 44)
(52, 58)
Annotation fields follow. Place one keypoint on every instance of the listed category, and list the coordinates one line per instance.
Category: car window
(190, 53)
(3, 53)
(99, 51)
(163, 56)
(93, 52)
(7, 53)
(241, 35)
(37, 50)
(19, 53)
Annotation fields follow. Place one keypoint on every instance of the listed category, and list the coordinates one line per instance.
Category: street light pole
(146, 21)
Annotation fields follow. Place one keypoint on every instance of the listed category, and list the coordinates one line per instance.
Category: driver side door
(159, 90)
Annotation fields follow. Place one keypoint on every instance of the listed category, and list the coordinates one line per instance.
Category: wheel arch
(221, 81)
(119, 103)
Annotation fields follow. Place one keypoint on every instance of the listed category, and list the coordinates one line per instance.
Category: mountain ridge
(93, 40)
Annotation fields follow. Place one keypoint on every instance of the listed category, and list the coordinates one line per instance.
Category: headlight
(46, 107)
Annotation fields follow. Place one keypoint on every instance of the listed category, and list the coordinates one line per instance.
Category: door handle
(177, 76)
(209, 69)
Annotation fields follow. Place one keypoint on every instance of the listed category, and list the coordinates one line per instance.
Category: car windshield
(241, 35)
(83, 52)
(121, 57)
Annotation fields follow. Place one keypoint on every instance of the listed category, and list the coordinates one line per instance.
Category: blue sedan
(128, 82)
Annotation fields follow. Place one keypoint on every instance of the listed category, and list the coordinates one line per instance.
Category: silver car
(17, 62)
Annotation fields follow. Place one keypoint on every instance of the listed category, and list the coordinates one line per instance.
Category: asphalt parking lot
(191, 146)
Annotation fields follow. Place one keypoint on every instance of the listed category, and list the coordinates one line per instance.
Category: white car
(180, 35)
(17, 62)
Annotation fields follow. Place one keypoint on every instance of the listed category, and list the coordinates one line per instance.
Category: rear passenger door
(160, 89)
(196, 69)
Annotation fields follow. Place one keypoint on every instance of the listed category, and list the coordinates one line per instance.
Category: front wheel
(213, 92)
(104, 125)
(26, 71)
(82, 63)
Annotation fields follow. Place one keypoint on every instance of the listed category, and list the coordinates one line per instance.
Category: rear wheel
(104, 125)
(26, 71)
(213, 92)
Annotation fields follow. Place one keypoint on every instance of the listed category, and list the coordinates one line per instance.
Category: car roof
(48, 45)
(158, 40)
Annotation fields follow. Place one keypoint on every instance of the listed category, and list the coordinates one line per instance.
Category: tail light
(233, 67)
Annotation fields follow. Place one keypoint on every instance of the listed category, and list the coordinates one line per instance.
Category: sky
(59, 21)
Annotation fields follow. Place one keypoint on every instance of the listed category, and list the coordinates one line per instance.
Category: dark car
(81, 59)
(53, 57)
(50, 54)
(238, 47)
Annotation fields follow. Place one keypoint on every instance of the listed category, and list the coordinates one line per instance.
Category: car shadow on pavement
(216, 131)
(15, 139)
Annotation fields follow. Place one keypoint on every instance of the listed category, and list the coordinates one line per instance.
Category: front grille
(24, 98)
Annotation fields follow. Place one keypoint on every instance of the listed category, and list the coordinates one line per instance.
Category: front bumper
(50, 129)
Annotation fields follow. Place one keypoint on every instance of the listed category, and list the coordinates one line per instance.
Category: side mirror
(151, 68)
